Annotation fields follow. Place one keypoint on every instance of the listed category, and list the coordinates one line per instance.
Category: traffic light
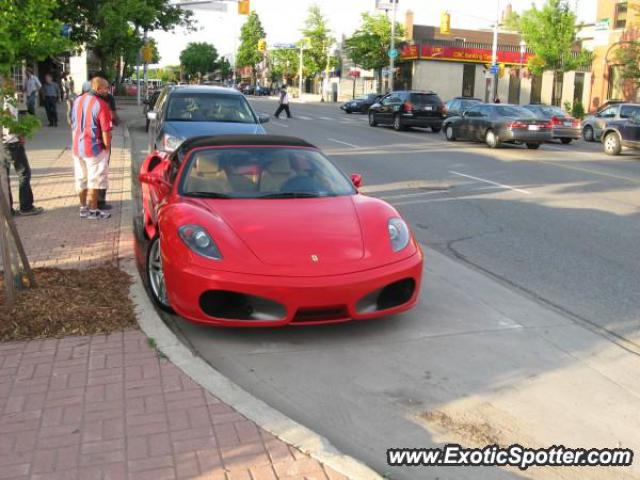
(445, 23)
(262, 45)
(243, 7)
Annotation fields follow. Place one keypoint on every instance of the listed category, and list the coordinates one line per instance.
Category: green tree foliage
(319, 40)
(248, 53)
(113, 27)
(198, 58)
(369, 46)
(627, 55)
(284, 63)
(551, 33)
(224, 68)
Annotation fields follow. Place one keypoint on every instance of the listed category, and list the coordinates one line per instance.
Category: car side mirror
(263, 118)
(356, 179)
(152, 115)
(154, 180)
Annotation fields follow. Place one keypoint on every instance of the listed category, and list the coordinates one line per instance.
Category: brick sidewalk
(112, 407)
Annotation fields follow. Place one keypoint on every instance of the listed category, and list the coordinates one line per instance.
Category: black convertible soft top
(249, 140)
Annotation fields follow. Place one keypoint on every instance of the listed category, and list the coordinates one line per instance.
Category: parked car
(563, 126)
(498, 123)
(231, 244)
(621, 133)
(360, 104)
(457, 105)
(408, 108)
(188, 111)
(593, 125)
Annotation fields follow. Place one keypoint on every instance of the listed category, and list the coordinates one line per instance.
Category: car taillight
(517, 124)
(548, 124)
(555, 121)
(407, 107)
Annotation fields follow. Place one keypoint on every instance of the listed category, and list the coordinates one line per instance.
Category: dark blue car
(182, 112)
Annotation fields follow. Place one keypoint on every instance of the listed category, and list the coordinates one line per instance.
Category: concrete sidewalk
(112, 406)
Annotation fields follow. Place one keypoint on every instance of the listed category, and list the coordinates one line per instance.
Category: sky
(282, 20)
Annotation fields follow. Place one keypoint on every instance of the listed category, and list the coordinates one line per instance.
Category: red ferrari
(263, 230)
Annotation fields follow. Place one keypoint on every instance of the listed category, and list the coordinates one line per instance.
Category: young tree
(248, 53)
(319, 39)
(198, 58)
(284, 63)
(224, 68)
(627, 54)
(369, 46)
(27, 31)
(551, 33)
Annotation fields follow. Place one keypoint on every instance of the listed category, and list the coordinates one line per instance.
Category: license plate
(428, 108)
(533, 127)
(568, 124)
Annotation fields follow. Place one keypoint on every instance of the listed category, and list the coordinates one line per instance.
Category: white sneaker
(98, 215)
(84, 212)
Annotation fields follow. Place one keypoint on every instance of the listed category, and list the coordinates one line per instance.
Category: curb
(264, 416)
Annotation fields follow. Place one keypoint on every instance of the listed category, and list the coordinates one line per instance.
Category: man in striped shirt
(91, 131)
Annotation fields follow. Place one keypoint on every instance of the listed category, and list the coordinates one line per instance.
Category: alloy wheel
(156, 274)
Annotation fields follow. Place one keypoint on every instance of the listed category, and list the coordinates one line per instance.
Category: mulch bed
(69, 302)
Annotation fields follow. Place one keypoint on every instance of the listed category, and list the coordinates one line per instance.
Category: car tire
(397, 123)
(566, 141)
(587, 134)
(449, 133)
(155, 276)
(612, 144)
(348, 111)
(533, 146)
(372, 120)
(436, 129)
(491, 139)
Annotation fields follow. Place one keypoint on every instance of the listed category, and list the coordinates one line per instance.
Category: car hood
(296, 232)
(193, 129)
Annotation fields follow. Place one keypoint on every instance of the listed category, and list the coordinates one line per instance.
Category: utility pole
(392, 58)
(494, 55)
(300, 70)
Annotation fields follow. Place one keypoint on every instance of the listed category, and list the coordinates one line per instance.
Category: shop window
(468, 80)
(536, 88)
(620, 19)
(578, 87)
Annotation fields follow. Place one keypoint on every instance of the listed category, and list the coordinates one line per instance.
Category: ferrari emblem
(314, 258)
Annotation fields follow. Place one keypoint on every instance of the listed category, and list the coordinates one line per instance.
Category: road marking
(302, 117)
(491, 182)
(343, 143)
(278, 124)
(327, 118)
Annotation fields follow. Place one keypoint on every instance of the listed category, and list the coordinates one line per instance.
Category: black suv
(621, 133)
(408, 108)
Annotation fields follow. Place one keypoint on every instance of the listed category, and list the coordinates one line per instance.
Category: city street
(527, 328)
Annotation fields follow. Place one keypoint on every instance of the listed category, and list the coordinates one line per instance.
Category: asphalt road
(527, 330)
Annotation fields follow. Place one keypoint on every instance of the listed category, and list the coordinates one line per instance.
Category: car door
(479, 123)
(631, 129)
(603, 117)
(390, 105)
(376, 108)
(462, 126)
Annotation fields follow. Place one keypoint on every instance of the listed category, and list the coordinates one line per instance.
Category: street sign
(494, 69)
(290, 46)
(385, 4)
(210, 5)
(393, 53)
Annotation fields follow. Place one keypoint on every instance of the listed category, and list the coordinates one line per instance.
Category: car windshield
(262, 172)
(513, 112)
(208, 107)
(465, 104)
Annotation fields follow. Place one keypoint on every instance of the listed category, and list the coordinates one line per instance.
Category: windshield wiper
(207, 194)
(290, 195)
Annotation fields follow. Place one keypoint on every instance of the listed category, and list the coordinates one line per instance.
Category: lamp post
(392, 57)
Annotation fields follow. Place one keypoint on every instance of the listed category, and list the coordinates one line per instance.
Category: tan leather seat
(276, 174)
(239, 180)
(207, 175)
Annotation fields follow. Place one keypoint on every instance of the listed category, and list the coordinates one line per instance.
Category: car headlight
(170, 143)
(398, 234)
(199, 241)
